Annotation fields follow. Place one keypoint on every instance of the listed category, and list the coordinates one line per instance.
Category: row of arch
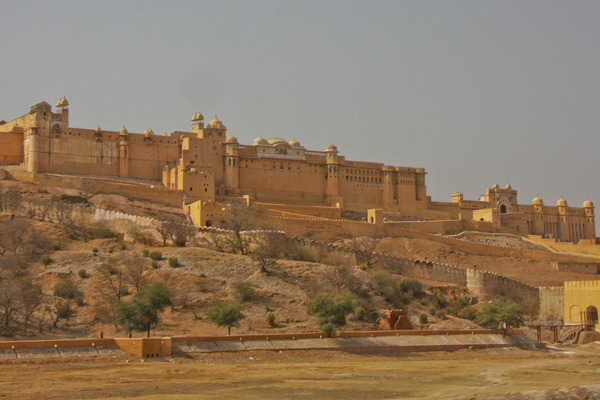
(587, 317)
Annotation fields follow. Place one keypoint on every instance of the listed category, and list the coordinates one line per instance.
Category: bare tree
(15, 265)
(9, 299)
(79, 224)
(238, 219)
(43, 208)
(135, 271)
(106, 289)
(140, 234)
(365, 249)
(339, 279)
(217, 240)
(268, 251)
(60, 210)
(111, 277)
(183, 233)
(165, 229)
(10, 200)
(12, 234)
(30, 297)
(29, 208)
(35, 243)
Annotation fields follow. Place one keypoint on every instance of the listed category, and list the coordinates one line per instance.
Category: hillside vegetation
(63, 275)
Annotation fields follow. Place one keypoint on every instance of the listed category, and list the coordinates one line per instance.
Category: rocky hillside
(99, 264)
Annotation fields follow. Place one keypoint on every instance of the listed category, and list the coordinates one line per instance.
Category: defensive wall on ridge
(327, 228)
(481, 283)
(99, 185)
(324, 228)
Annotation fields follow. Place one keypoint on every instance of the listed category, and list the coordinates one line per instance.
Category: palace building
(208, 167)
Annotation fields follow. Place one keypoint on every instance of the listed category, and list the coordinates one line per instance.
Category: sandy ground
(305, 375)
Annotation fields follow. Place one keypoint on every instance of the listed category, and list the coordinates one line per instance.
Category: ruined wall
(551, 305)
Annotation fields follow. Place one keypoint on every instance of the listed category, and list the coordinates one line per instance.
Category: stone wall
(579, 297)
(12, 148)
(91, 185)
(582, 268)
(551, 305)
(481, 283)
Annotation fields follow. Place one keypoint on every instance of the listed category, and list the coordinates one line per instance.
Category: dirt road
(304, 375)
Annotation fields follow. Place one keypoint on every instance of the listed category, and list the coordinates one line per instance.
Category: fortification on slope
(208, 167)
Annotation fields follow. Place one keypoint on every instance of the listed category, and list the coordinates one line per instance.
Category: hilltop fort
(207, 168)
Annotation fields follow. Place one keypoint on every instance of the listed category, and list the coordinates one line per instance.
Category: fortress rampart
(205, 164)
(481, 283)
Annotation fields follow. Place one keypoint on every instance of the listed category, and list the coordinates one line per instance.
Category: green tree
(244, 291)
(65, 288)
(500, 313)
(141, 314)
(332, 311)
(225, 314)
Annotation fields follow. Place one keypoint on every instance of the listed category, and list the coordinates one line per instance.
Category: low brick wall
(141, 347)
(372, 342)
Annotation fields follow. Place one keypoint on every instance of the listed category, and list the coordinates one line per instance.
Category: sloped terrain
(205, 276)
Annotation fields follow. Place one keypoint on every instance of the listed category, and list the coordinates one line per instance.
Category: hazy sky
(476, 92)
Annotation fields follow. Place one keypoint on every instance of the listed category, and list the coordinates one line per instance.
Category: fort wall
(91, 185)
(552, 305)
(11, 144)
(584, 246)
(481, 283)
(582, 268)
(273, 170)
(581, 297)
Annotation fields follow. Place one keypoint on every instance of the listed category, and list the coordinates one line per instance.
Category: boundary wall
(482, 283)
(89, 184)
(327, 228)
(582, 268)
(321, 227)
(552, 304)
(495, 250)
(141, 347)
(584, 246)
(378, 342)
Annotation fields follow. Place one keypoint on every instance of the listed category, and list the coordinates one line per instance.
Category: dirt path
(304, 375)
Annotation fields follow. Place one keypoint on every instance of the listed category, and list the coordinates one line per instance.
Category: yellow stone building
(581, 302)
(208, 166)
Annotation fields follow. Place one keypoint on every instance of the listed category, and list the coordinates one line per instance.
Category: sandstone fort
(205, 167)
